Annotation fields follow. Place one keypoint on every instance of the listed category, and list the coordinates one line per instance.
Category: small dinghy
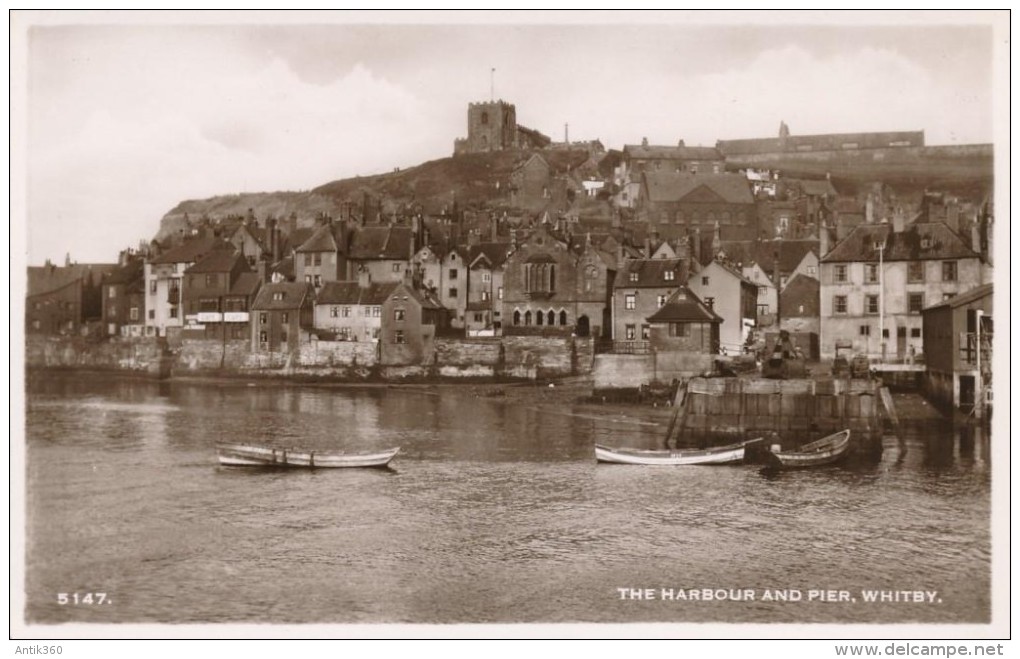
(250, 455)
(824, 451)
(718, 455)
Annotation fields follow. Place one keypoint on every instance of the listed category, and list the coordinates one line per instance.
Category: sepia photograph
(419, 324)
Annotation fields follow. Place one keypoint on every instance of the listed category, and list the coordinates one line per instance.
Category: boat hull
(825, 451)
(243, 455)
(714, 456)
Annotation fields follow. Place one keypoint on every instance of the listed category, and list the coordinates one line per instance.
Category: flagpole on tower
(492, 84)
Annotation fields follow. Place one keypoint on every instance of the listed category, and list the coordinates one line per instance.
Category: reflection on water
(492, 513)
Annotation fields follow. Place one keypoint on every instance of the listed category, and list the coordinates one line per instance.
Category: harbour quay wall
(451, 358)
(631, 372)
(797, 411)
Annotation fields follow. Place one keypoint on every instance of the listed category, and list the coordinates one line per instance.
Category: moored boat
(252, 455)
(718, 455)
(824, 451)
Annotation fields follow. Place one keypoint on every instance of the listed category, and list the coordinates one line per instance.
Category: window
(812, 271)
(486, 277)
(485, 118)
(453, 273)
(539, 318)
(499, 293)
(398, 314)
(517, 317)
(211, 280)
(915, 332)
(334, 312)
(679, 330)
(308, 259)
(317, 259)
(133, 313)
(630, 301)
(376, 312)
(949, 271)
(263, 337)
(669, 275)
(762, 291)
(763, 309)
(478, 317)
(839, 274)
(631, 332)
(885, 334)
(871, 273)
(915, 302)
(485, 296)
(915, 272)
(865, 330)
(633, 276)
(661, 301)
(710, 302)
(563, 318)
(152, 287)
(704, 281)
(947, 296)
(308, 279)
(278, 296)
(527, 317)
(284, 318)
(396, 267)
(152, 314)
(113, 293)
(208, 304)
(839, 304)
(263, 318)
(345, 312)
(317, 281)
(550, 318)
(173, 312)
(452, 292)
(113, 312)
(283, 336)
(645, 330)
(871, 303)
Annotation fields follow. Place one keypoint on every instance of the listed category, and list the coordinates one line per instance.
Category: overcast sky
(126, 121)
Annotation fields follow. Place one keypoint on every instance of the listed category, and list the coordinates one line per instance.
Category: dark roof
(811, 188)
(494, 253)
(683, 306)
(964, 298)
(369, 243)
(193, 250)
(218, 261)
(800, 291)
(763, 252)
(426, 299)
(651, 273)
(294, 296)
(133, 270)
(298, 237)
(351, 292)
(285, 267)
(917, 242)
(675, 186)
(653, 152)
(49, 278)
(323, 240)
(247, 283)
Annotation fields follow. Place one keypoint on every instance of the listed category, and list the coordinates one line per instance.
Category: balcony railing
(631, 347)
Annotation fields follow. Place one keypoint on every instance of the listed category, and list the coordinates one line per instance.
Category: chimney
(67, 260)
(953, 215)
(823, 239)
(644, 141)
(494, 229)
(696, 253)
(899, 220)
(648, 247)
(364, 277)
(869, 210)
(975, 237)
(292, 222)
(716, 240)
(566, 133)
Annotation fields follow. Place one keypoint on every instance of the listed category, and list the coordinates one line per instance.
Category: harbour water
(493, 512)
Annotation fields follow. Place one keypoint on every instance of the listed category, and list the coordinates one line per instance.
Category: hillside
(475, 179)
(307, 205)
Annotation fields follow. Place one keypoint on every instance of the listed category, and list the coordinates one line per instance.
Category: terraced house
(876, 281)
(642, 288)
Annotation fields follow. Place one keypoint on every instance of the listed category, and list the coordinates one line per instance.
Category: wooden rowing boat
(718, 455)
(251, 455)
(826, 450)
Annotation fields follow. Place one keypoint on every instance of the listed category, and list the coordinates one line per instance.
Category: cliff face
(278, 204)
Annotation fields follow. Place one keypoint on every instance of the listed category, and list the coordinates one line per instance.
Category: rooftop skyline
(125, 121)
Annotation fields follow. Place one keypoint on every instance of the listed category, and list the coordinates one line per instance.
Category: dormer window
(669, 275)
(926, 242)
(278, 296)
(633, 276)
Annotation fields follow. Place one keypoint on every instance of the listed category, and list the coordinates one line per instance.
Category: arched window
(485, 141)
(563, 318)
(552, 277)
(539, 318)
(517, 316)
(485, 118)
(527, 317)
(551, 317)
